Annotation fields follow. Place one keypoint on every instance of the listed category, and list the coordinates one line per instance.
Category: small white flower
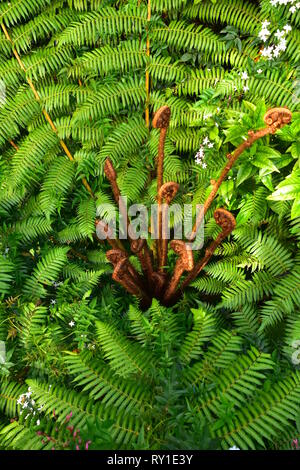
(276, 52)
(53, 301)
(72, 323)
(279, 34)
(204, 165)
(265, 24)
(38, 422)
(293, 9)
(287, 28)
(267, 52)
(244, 76)
(210, 145)
(263, 35)
(234, 448)
(205, 141)
(282, 45)
(259, 71)
(245, 88)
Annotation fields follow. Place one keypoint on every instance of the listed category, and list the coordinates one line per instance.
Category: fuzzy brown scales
(185, 262)
(161, 118)
(124, 272)
(111, 175)
(158, 282)
(121, 275)
(278, 117)
(167, 193)
(184, 253)
(227, 222)
(104, 232)
(109, 170)
(160, 121)
(115, 256)
(140, 248)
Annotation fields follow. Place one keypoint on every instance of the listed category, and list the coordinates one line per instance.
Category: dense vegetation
(84, 366)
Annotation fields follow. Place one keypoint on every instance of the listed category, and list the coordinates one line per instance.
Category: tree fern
(82, 80)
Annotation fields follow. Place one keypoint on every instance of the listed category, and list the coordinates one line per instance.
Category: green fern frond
(98, 379)
(245, 16)
(124, 357)
(46, 272)
(6, 276)
(237, 383)
(128, 55)
(203, 329)
(260, 420)
(125, 140)
(109, 21)
(110, 99)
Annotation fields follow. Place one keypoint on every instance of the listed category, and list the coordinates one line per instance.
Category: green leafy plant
(81, 81)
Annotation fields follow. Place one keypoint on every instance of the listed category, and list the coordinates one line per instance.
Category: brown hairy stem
(158, 281)
(116, 255)
(227, 222)
(15, 146)
(160, 121)
(141, 249)
(275, 118)
(166, 193)
(104, 229)
(184, 263)
(111, 175)
(123, 276)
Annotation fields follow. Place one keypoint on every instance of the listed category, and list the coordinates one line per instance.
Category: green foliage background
(214, 371)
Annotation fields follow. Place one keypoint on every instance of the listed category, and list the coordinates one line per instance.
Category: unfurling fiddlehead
(160, 121)
(154, 282)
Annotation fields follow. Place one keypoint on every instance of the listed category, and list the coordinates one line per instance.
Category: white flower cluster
(28, 404)
(293, 8)
(273, 50)
(200, 155)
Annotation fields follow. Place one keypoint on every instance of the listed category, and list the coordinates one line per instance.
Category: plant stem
(253, 136)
